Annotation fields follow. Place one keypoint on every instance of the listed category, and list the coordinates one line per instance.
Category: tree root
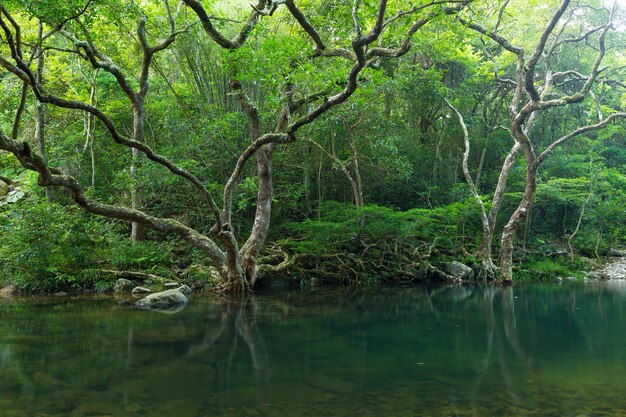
(387, 261)
(487, 271)
(134, 275)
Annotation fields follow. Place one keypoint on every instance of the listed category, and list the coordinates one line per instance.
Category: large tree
(558, 73)
(69, 30)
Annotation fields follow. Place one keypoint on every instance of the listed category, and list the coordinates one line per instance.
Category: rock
(61, 294)
(98, 409)
(170, 285)
(163, 300)
(570, 279)
(14, 196)
(200, 276)
(47, 381)
(618, 252)
(4, 188)
(185, 290)
(180, 408)
(458, 270)
(139, 291)
(559, 279)
(8, 291)
(123, 285)
(614, 271)
(133, 408)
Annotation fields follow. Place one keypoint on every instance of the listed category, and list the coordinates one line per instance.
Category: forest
(240, 145)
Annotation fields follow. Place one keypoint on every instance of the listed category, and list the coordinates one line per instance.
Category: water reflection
(464, 351)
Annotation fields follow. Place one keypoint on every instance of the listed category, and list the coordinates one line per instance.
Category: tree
(298, 104)
(535, 90)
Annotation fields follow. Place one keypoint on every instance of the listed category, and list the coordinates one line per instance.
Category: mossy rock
(4, 188)
(201, 276)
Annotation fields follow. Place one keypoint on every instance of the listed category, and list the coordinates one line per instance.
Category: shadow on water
(534, 350)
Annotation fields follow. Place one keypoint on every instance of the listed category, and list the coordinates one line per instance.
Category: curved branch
(235, 177)
(22, 71)
(47, 178)
(577, 132)
(468, 177)
(306, 25)
(503, 42)
(220, 39)
(532, 62)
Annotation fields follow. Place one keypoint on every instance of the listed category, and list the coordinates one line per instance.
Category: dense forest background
(380, 186)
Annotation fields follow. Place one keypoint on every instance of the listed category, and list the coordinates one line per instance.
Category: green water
(456, 351)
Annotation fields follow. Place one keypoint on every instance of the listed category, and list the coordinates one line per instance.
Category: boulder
(458, 270)
(4, 188)
(14, 195)
(123, 285)
(185, 290)
(170, 285)
(8, 291)
(139, 291)
(163, 300)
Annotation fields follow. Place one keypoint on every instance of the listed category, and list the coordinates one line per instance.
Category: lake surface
(527, 350)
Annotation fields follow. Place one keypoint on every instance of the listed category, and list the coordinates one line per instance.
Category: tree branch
(532, 62)
(243, 34)
(577, 132)
(32, 161)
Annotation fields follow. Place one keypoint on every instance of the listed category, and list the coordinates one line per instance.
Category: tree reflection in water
(461, 350)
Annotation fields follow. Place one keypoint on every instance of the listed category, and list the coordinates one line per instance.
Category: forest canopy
(237, 143)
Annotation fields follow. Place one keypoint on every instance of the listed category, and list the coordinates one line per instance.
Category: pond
(526, 350)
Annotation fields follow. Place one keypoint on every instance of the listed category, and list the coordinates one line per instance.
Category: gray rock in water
(458, 270)
(163, 300)
(123, 285)
(138, 291)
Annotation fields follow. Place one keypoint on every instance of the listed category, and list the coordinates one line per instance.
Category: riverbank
(614, 270)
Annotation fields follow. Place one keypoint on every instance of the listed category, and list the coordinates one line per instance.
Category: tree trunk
(487, 269)
(138, 230)
(40, 116)
(255, 242)
(358, 184)
(480, 168)
(508, 234)
(486, 244)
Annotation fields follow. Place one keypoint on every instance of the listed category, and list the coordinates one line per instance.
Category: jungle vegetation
(234, 144)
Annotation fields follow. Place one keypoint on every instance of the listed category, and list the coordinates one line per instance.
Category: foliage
(395, 135)
(346, 227)
(46, 246)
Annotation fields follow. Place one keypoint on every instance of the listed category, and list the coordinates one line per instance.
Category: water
(535, 350)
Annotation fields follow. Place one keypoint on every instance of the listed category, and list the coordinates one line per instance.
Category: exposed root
(387, 260)
(487, 271)
(134, 275)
